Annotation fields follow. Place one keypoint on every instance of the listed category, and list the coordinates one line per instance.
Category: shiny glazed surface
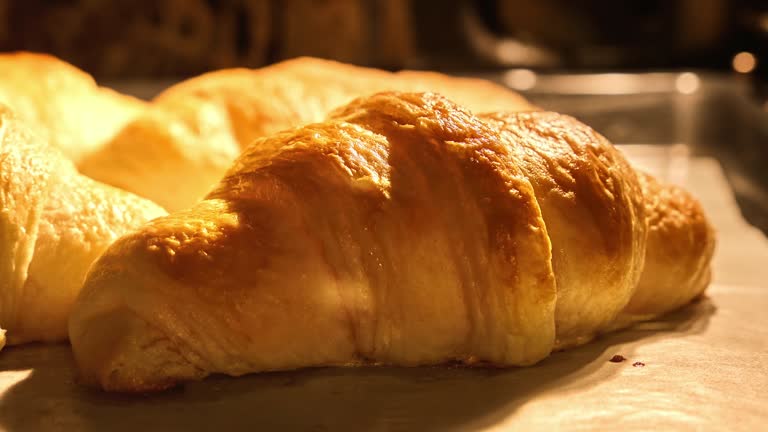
(402, 230)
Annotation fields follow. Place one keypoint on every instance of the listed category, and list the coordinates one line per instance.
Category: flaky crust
(55, 223)
(681, 243)
(62, 103)
(402, 230)
(201, 125)
(594, 210)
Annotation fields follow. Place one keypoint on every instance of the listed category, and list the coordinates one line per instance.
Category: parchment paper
(705, 368)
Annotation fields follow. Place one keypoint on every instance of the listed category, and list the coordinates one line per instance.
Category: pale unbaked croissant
(63, 103)
(195, 129)
(402, 230)
(54, 223)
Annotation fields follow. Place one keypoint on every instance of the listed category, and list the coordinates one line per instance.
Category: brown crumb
(638, 364)
(617, 358)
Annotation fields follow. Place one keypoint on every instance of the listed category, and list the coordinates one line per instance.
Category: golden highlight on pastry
(680, 249)
(63, 103)
(402, 230)
(54, 224)
(201, 125)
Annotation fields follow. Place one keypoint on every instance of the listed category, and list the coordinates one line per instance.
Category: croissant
(63, 103)
(195, 129)
(403, 230)
(54, 224)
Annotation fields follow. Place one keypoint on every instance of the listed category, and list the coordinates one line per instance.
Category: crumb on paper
(618, 358)
(638, 364)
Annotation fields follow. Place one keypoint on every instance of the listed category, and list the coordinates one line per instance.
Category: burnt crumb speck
(638, 364)
(618, 358)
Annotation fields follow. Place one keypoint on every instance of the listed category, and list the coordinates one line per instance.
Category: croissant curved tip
(114, 345)
(119, 351)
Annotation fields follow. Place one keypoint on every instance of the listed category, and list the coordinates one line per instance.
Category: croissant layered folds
(195, 129)
(63, 103)
(54, 224)
(402, 230)
(681, 245)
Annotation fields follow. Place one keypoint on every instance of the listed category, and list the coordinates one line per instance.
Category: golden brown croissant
(63, 103)
(195, 129)
(54, 224)
(402, 230)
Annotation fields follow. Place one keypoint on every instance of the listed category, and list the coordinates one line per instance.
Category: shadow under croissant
(361, 398)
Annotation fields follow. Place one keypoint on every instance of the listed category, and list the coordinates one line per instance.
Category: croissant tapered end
(111, 341)
(63, 103)
(681, 243)
(120, 333)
